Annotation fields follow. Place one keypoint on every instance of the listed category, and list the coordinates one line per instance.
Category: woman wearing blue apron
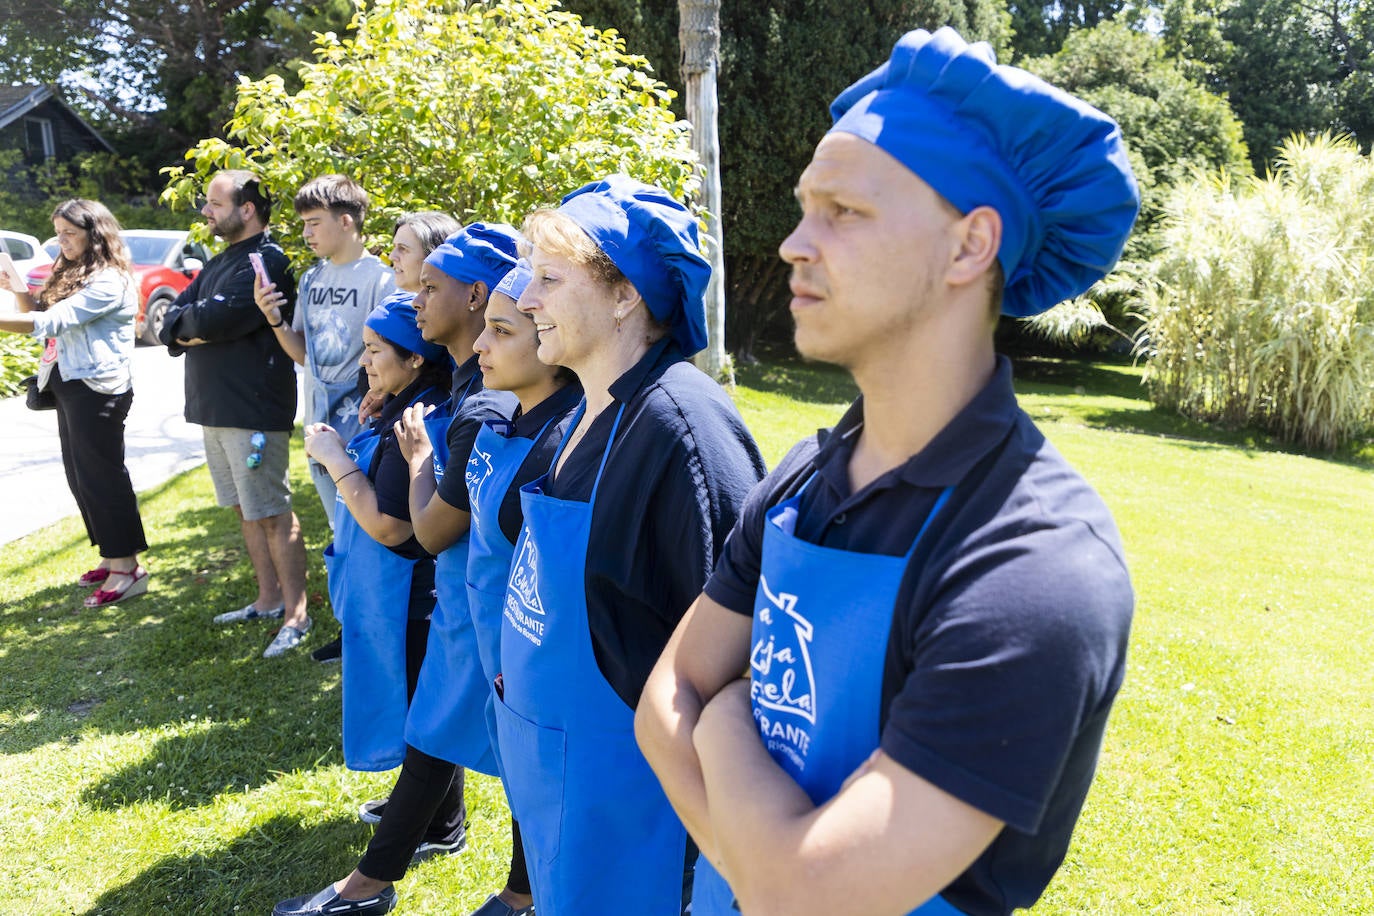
(618, 538)
(445, 726)
(505, 456)
(381, 581)
(415, 235)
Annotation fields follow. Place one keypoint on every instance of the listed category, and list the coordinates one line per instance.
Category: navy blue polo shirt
(475, 405)
(390, 476)
(1008, 637)
(678, 471)
(552, 416)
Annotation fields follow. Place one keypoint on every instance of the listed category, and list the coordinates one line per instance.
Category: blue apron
(447, 717)
(599, 834)
(495, 462)
(822, 620)
(369, 587)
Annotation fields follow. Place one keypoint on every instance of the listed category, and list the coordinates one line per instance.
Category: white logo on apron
(479, 468)
(781, 661)
(523, 579)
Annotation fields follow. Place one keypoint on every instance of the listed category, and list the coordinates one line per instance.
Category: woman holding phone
(85, 310)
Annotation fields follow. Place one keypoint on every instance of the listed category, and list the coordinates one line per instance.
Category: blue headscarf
(514, 282)
(394, 320)
(652, 239)
(981, 134)
(479, 252)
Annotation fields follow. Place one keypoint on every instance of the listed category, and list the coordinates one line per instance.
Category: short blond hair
(554, 232)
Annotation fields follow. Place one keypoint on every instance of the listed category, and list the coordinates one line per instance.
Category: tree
(483, 110)
(1041, 28)
(175, 66)
(1288, 66)
(700, 40)
(1173, 126)
(781, 63)
(1174, 129)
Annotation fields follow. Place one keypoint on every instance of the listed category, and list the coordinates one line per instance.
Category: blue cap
(652, 239)
(516, 279)
(981, 134)
(394, 319)
(479, 252)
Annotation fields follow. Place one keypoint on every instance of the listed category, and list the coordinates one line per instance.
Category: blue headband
(980, 134)
(394, 319)
(514, 282)
(477, 253)
(652, 239)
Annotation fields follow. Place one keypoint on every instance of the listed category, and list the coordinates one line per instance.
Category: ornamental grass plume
(1261, 310)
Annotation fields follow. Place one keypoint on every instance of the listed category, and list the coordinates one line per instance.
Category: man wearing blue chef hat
(931, 606)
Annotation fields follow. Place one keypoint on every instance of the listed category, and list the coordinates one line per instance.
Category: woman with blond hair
(617, 540)
(85, 310)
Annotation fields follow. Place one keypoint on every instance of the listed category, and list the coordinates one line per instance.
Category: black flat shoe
(328, 903)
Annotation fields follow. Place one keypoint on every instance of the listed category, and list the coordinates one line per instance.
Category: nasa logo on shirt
(782, 682)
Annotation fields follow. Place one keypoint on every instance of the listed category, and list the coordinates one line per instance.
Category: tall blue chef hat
(482, 252)
(652, 239)
(981, 134)
(516, 279)
(394, 319)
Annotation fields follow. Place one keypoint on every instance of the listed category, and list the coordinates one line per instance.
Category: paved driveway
(158, 444)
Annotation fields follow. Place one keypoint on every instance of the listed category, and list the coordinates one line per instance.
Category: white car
(26, 253)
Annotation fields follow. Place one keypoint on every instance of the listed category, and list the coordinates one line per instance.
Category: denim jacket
(94, 329)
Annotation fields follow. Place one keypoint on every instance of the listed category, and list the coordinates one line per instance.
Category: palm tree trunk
(699, 36)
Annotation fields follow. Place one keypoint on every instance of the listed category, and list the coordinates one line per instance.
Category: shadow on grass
(249, 875)
(212, 757)
(156, 659)
(799, 379)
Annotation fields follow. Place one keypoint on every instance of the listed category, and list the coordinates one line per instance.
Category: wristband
(277, 325)
(346, 476)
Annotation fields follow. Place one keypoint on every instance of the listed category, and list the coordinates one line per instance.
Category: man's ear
(979, 237)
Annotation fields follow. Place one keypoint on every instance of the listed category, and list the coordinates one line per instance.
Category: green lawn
(152, 764)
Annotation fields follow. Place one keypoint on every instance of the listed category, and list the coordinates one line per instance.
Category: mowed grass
(152, 764)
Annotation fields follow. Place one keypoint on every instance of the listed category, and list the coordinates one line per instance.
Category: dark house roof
(18, 101)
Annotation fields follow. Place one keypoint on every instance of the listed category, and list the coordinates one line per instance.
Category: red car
(165, 263)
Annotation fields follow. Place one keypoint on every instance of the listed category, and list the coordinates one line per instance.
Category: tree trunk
(699, 35)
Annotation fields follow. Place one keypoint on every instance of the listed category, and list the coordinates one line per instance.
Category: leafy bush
(1263, 307)
(18, 358)
(485, 110)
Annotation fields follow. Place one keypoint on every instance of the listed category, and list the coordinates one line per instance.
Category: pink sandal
(93, 577)
(138, 584)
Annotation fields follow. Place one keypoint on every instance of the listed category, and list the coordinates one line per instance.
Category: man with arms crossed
(241, 388)
(928, 605)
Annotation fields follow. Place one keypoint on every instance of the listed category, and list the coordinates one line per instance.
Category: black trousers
(427, 802)
(426, 805)
(90, 427)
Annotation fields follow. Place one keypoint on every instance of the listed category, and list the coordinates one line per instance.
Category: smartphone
(259, 268)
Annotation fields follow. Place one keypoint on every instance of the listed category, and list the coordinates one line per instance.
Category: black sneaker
(370, 812)
(331, 651)
(429, 848)
(328, 903)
